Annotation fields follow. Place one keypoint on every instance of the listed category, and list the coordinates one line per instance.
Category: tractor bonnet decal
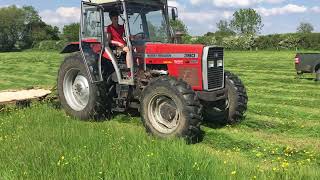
(177, 55)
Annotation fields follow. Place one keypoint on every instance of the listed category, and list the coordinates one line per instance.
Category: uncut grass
(279, 138)
(78, 150)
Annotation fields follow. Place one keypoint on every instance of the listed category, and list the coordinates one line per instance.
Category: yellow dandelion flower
(233, 172)
(285, 165)
(259, 154)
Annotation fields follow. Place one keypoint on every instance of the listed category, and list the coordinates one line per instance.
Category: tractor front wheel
(237, 98)
(232, 109)
(170, 108)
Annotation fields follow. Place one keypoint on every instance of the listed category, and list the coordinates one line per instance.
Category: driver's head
(114, 16)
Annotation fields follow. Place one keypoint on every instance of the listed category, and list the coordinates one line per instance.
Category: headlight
(211, 64)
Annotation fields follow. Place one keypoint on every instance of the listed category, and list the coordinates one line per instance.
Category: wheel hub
(76, 90)
(164, 114)
(167, 111)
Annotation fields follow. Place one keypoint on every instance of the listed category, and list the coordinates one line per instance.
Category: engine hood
(173, 51)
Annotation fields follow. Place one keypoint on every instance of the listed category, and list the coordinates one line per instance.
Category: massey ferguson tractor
(173, 86)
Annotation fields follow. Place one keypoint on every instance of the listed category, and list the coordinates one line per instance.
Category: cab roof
(135, 1)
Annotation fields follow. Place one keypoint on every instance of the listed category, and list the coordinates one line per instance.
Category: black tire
(318, 75)
(186, 101)
(99, 103)
(231, 110)
(237, 98)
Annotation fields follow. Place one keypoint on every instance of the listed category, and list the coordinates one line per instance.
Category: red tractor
(173, 86)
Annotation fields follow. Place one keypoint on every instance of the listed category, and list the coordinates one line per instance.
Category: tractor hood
(198, 65)
(158, 53)
(183, 61)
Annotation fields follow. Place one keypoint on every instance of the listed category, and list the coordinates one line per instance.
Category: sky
(200, 16)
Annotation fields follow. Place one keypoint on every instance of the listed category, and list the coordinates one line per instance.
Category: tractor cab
(144, 22)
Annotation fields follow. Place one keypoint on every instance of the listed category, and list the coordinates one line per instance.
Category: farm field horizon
(279, 139)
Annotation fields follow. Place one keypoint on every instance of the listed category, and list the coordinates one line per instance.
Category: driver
(115, 35)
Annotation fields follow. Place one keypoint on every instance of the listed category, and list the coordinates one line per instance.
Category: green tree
(71, 32)
(224, 28)
(247, 22)
(11, 27)
(21, 28)
(305, 28)
(178, 26)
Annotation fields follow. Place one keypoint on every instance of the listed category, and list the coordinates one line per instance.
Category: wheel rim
(76, 90)
(163, 114)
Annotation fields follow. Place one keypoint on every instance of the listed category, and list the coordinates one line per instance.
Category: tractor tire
(318, 75)
(231, 110)
(78, 96)
(170, 108)
(237, 98)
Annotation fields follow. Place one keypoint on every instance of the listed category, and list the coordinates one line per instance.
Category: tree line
(242, 32)
(23, 28)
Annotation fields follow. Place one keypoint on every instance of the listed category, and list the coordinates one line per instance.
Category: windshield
(148, 24)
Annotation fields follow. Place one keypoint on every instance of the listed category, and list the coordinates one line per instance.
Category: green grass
(280, 138)
(28, 69)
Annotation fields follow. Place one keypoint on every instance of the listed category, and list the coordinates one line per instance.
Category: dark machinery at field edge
(308, 63)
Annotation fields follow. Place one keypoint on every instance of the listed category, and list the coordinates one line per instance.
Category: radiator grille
(215, 68)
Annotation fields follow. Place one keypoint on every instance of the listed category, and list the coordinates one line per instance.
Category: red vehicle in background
(172, 85)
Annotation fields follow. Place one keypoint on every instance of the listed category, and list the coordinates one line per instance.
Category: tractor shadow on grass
(302, 77)
(215, 120)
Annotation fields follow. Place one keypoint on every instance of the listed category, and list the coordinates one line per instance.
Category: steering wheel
(140, 35)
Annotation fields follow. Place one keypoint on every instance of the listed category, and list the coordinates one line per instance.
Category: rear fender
(317, 67)
(75, 47)
(71, 47)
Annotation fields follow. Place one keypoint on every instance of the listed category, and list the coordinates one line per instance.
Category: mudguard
(71, 47)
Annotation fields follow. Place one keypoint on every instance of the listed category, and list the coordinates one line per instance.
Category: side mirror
(174, 13)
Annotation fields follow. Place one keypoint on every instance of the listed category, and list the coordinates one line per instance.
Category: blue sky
(201, 16)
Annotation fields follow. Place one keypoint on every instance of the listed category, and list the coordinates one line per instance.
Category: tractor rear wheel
(318, 75)
(80, 98)
(170, 108)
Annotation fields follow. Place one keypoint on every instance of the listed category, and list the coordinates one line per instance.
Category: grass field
(280, 138)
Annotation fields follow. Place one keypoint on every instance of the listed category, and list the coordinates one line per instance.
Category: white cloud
(61, 16)
(173, 3)
(202, 22)
(288, 9)
(316, 9)
(7, 5)
(235, 3)
(196, 1)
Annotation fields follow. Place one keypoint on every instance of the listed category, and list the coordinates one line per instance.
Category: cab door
(92, 39)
